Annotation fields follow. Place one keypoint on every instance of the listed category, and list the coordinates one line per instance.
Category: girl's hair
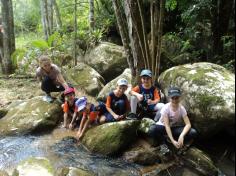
(44, 58)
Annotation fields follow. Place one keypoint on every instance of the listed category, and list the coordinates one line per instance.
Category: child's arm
(135, 91)
(73, 119)
(156, 98)
(87, 122)
(185, 130)
(65, 120)
(168, 131)
(81, 126)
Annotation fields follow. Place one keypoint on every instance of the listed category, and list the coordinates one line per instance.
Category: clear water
(61, 153)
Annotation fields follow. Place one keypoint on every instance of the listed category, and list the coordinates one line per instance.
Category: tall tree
(145, 50)
(91, 15)
(57, 14)
(8, 36)
(47, 17)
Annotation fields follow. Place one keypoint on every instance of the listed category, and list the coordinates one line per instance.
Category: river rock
(208, 94)
(85, 77)
(200, 161)
(34, 166)
(113, 84)
(141, 152)
(26, 116)
(3, 173)
(72, 171)
(108, 59)
(111, 138)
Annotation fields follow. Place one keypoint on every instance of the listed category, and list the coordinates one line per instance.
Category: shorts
(109, 117)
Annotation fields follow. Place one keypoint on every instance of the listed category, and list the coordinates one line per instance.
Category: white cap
(122, 82)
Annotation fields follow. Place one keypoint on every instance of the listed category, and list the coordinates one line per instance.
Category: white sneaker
(48, 98)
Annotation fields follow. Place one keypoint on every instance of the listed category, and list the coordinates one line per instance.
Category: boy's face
(46, 66)
(121, 89)
(146, 80)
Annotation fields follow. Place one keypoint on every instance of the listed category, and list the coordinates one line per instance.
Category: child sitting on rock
(174, 123)
(90, 114)
(117, 103)
(69, 107)
(146, 96)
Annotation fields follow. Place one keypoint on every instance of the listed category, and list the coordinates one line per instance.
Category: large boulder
(111, 138)
(208, 95)
(108, 59)
(85, 77)
(34, 166)
(113, 84)
(31, 115)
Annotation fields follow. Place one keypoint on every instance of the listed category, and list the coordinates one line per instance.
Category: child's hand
(149, 102)
(70, 126)
(140, 97)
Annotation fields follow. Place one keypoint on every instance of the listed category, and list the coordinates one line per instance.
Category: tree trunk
(47, 17)
(135, 35)
(122, 25)
(57, 15)
(50, 16)
(8, 36)
(43, 4)
(75, 32)
(221, 16)
(91, 15)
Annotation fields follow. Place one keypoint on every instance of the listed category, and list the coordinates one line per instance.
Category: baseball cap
(174, 92)
(146, 72)
(81, 103)
(69, 90)
(122, 82)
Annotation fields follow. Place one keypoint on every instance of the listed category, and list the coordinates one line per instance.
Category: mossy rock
(111, 138)
(35, 166)
(85, 77)
(33, 115)
(200, 161)
(208, 94)
(113, 84)
(108, 59)
(145, 125)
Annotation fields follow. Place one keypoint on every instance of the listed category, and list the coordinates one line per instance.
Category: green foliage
(170, 5)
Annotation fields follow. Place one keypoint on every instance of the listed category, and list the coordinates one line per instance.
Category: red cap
(69, 90)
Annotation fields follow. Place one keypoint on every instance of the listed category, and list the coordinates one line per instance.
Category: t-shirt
(53, 74)
(113, 100)
(67, 108)
(151, 93)
(175, 117)
(92, 112)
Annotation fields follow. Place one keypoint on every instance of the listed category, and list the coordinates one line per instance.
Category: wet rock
(111, 138)
(108, 59)
(200, 161)
(85, 77)
(208, 95)
(3, 173)
(142, 156)
(33, 115)
(71, 171)
(35, 167)
(113, 84)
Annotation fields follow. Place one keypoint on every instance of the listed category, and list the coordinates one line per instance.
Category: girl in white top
(174, 121)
